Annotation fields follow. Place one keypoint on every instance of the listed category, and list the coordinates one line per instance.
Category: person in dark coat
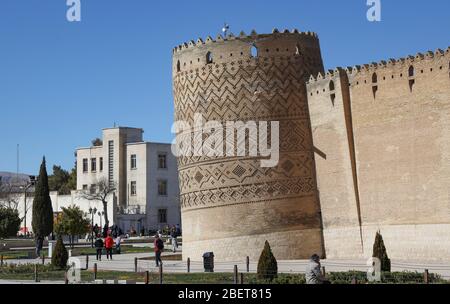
(158, 248)
(99, 247)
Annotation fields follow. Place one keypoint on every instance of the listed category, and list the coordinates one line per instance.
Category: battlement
(196, 54)
(407, 66)
(242, 36)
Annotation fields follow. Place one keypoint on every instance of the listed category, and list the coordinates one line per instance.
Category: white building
(144, 174)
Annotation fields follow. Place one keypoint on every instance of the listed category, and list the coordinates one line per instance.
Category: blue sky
(61, 82)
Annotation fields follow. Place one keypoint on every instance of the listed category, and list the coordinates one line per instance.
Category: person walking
(118, 241)
(174, 235)
(109, 243)
(313, 271)
(158, 247)
(99, 247)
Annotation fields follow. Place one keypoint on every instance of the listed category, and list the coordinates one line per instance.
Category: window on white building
(93, 165)
(162, 161)
(101, 164)
(85, 187)
(85, 165)
(133, 188)
(162, 187)
(162, 216)
(133, 161)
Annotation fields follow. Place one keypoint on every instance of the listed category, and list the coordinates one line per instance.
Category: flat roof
(89, 148)
(130, 128)
(147, 143)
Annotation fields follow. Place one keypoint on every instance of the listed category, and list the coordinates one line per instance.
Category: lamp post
(92, 213)
(101, 223)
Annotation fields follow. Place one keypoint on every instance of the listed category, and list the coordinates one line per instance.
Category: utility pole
(17, 172)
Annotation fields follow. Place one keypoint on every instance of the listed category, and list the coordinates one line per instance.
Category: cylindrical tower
(231, 205)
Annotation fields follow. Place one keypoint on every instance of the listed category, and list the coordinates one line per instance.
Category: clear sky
(62, 82)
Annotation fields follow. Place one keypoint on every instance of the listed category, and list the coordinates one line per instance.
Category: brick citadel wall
(382, 142)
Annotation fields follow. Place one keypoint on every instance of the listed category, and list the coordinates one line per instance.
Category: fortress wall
(232, 205)
(328, 99)
(233, 232)
(402, 145)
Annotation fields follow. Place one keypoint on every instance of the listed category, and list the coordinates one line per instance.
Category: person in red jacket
(109, 243)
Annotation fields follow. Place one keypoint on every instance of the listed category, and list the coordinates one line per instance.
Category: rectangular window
(162, 161)
(101, 164)
(133, 188)
(133, 161)
(162, 187)
(162, 216)
(85, 187)
(93, 165)
(85, 165)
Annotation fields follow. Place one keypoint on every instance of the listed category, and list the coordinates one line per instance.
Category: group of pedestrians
(108, 244)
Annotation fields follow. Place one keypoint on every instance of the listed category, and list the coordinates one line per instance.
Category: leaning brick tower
(231, 205)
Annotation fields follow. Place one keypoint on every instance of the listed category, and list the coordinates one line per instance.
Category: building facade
(143, 174)
(361, 149)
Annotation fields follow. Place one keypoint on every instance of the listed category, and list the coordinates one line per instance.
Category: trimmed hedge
(267, 264)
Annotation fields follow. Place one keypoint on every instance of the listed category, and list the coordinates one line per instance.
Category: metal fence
(240, 272)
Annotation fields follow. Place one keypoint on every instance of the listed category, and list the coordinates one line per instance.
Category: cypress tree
(267, 264)
(42, 221)
(60, 254)
(379, 251)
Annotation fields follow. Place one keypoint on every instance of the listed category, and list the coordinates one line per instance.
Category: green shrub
(379, 251)
(9, 222)
(386, 277)
(282, 278)
(60, 255)
(267, 264)
(26, 268)
(346, 277)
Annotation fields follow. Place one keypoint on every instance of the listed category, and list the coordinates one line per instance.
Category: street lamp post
(101, 224)
(92, 213)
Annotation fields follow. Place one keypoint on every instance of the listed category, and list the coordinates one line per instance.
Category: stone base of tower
(292, 227)
(287, 245)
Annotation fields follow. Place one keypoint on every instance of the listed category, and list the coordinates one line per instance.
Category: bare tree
(9, 196)
(100, 192)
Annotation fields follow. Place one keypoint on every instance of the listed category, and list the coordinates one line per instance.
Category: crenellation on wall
(391, 71)
(195, 55)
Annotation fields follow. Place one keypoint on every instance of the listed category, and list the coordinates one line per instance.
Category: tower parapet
(192, 55)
